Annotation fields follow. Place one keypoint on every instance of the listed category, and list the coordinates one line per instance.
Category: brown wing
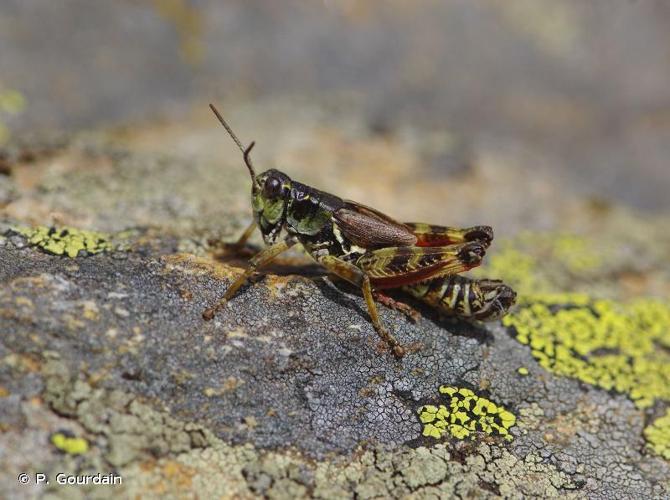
(368, 228)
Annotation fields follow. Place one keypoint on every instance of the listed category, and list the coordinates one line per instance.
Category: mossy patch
(68, 241)
(658, 435)
(68, 443)
(620, 347)
(464, 414)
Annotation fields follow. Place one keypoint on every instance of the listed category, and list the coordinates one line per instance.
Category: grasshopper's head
(270, 192)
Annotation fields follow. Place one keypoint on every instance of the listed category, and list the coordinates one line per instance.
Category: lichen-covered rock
(465, 415)
(658, 435)
(620, 347)
(107, 366)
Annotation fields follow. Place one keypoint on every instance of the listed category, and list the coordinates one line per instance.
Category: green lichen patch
(515, 268)
(12, 102)
(464, 414)
(534, 263)
(66, 240)
(658, 436)
(68, 443)
(575, 253)
(615, 346)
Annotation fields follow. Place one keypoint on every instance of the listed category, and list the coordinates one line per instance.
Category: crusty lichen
(532, 262)
(68, 443)
(158, 454)
(65, 240)
(464, 414)
(12, 102)
(658, 435)
(621, 347)
(614, 345)
(605, 343)
(514, 267)
(575, 253)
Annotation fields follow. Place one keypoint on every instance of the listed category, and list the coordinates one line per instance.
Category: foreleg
(259, 260)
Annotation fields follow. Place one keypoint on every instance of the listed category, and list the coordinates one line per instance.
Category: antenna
(245, 151)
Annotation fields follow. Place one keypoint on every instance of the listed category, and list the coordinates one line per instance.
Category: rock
(288, 392)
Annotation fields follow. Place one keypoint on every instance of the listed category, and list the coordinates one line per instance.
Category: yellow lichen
(66, 240)
(515, 268)
(464, 414)
(658, 435)
(66, 442)
(519, 261)
(187, 20)
(575, 253)
(621, 347)
(12, 102)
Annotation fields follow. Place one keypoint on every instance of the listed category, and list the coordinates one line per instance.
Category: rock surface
(288, 392)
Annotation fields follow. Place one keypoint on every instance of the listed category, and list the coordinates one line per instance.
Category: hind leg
(396, 305)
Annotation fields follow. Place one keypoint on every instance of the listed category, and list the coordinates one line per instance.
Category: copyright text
(71, 479)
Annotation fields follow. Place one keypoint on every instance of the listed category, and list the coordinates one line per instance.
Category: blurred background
(510, 101)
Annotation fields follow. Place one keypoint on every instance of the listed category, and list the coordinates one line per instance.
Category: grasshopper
(369, 249)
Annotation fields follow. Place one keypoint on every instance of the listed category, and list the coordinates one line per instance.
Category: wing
(369, 228)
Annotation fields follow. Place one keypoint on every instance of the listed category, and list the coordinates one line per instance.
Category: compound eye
(272, 188)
